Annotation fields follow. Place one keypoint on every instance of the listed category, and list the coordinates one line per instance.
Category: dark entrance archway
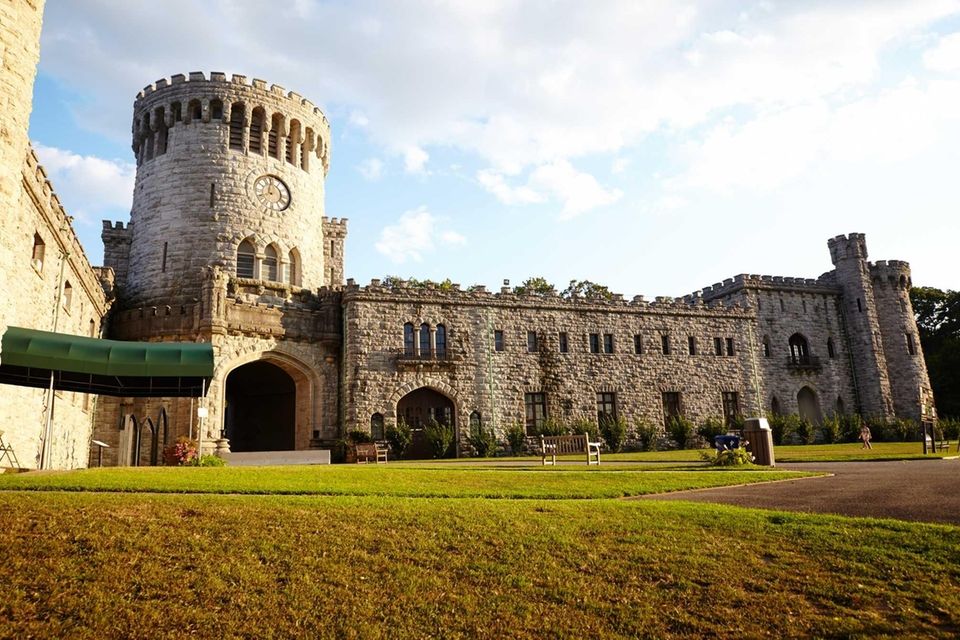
(416, 409)
(809, 406)
(261, 408)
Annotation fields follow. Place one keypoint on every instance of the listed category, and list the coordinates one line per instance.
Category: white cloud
(619, 165)
(414, 159)
(578, 191)
(945, 56)
(414, 235)
(86, 185)
(371, 169)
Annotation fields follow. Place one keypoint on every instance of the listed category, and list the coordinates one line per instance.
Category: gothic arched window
(799, 351)
(425, 340)
(246, 258)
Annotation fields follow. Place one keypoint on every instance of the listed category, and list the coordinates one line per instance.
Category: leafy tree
(586, 289)
(938, 321)
(535, 286)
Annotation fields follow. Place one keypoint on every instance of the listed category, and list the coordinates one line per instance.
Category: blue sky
(653, 147)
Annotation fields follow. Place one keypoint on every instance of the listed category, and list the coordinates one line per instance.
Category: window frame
(535, 411)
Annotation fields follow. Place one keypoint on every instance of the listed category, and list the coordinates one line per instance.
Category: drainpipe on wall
(48, 420)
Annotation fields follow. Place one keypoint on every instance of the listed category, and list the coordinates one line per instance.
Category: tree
(938, 322)
(586, 289)
(535, 286)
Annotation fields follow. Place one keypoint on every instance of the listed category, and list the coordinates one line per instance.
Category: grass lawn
(100, 565)
(844, 452)
(390, 480)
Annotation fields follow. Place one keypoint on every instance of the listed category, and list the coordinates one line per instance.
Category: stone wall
(40, 221)
(476, 377)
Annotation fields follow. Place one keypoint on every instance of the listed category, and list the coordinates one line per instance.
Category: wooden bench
(370, 452)
(939, 445)
(552, 446)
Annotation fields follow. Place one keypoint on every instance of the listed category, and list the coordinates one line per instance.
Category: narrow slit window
(163, 261)
(665, 344)
(594, 343)
(564, 346)
(638, 344)
(39, 250)
(532, 341)
(692, 345)
(608, 343)
(497, 340)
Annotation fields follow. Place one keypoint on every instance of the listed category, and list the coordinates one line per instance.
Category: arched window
(475, 420)
(291, 268)
(766, 346)
(425, 340)
(194, 110)
(177, 110)
(774, 406)
(160, 118)
(441, 341)
(799, 352)
(376, 426)
(831, 351)
(148, 155)
(67, 295)
(293, 141)
(273, 139)
(246, 257)
(93, 329)
(408, 339)
(39, 250)
(269, 269)
(237, 113)
(903, 282)
(216, 109)
(305, 150)
(256, 130)
(839, 407)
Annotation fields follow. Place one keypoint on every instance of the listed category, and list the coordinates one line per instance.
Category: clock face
(272, 193)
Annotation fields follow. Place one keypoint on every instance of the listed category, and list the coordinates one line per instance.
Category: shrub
(949, 428)
(516, 437)
(711, 427)
(894, 430)
(784, 428)
(358, 437)
(681, 431)
(399, 436)
(850, 427)
(646, 435)
(551, 427)
(182, 452)
(806, 431)
(588, 427)
(439, 437)
(738, 457)
(209, 461)
(483, 441)
(832, 430)
(614, 432)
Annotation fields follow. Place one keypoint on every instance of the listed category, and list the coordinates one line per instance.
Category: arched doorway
(261, 408)
(808, 406)
(416, 409)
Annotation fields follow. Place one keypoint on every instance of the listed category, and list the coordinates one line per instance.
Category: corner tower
(862, 323)
(229, 173)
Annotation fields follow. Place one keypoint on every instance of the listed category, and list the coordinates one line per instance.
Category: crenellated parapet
(38, 188)
(891, 273)
(334, 227)
(256, 119)
(402, 291)
(822, 285)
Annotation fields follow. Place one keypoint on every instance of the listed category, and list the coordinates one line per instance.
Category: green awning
(106, 367)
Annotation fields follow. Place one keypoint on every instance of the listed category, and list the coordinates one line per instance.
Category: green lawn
(803, 453)
(100, 565)
(390, 480)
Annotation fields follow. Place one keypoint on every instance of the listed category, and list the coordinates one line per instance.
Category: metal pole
(203, 392)
(48, 419)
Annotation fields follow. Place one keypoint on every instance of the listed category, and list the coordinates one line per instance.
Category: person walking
(865, 436)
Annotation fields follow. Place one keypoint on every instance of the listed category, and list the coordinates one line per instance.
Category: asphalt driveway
(921, 490)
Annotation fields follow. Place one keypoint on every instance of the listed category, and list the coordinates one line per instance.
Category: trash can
(757, 432)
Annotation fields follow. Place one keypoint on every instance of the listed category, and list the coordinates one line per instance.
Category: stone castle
(228, 243)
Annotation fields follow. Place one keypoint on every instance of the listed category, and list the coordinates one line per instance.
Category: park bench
(552, 446)
(370, 452)
(939, 445)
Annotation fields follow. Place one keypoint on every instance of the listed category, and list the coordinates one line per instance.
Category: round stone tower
(229, 173)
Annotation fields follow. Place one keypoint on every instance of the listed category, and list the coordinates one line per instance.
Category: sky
(653, 147)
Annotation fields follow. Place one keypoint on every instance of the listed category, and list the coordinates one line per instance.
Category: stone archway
(809, 406)
(417, 408)
(261, 408)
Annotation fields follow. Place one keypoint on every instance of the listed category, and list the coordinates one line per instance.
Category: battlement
(334, 227)
(478, 295)
(823, 284)
(236, 80)
(117, 226)
(893, 272)
(259, 120)
(851, 246)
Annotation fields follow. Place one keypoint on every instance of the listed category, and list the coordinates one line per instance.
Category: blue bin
(723, 443)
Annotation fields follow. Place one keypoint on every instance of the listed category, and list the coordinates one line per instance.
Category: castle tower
(229, 173)
(901, 340)
(862, 321)
(20, 22)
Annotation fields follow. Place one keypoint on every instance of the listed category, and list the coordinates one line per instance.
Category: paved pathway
(922, 490)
